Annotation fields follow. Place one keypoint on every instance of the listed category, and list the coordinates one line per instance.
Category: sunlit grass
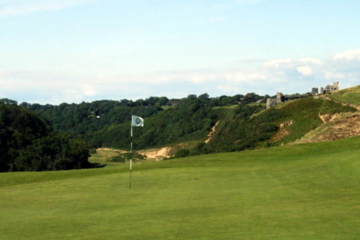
(294, 192)
(349, 96)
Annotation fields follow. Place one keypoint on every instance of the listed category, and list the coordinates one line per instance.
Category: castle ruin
(326, 90)
(272, 102)
(280, 98)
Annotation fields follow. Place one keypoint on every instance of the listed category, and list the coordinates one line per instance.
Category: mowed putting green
(294, 192)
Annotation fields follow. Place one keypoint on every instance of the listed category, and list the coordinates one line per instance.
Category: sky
(54, 51)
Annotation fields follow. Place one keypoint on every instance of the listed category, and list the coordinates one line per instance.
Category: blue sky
(56, 51)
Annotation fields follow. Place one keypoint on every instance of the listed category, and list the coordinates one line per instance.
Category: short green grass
(294, 192)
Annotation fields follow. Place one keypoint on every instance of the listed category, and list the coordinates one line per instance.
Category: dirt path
(212, 132)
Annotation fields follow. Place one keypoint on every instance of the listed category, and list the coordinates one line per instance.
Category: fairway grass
(309, 191)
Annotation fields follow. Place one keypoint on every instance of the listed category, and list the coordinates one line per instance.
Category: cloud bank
(286, 75)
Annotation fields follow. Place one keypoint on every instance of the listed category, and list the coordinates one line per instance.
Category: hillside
(210, 124)
(348, 96)
(226, 128)
(190, 120)
(294, 192)
(28, 143)
(105, 123)
(249, 128)
(337, 126)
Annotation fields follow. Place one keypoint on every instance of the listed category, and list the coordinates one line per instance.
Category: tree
(28, 143)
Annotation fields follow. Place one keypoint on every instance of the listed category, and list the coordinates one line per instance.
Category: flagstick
(131, 150)
(135, 122)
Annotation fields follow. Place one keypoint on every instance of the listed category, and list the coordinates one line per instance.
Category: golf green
(302, 192)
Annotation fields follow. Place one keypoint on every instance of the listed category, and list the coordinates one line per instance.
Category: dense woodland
(28, 143)
(36, 137)
(85, 118)
(106, 123)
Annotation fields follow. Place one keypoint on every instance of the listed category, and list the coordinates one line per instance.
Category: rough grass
(341, 126)
(348, 96)
(305, 115)
(226, 107)
(105, 155)
(295, 192)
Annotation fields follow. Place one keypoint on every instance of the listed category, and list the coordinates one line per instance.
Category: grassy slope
(348, 96)
(345, 125)
(235, 132)
(293, 192)
(305, 114)
(341, 126)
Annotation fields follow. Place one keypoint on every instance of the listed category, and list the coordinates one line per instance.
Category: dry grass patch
(337, 126)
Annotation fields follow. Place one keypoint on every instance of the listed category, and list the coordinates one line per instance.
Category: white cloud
(89, 91)
(24, 7)
(243, 77)
(334, 75)
(228, 89)
(311, 61)
(276, 63)
(305, 70)
(352, 55)
(287, 75)
(291, 63)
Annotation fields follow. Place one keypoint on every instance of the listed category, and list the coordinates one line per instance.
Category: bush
(125, 157)
(182, 153)
(55, 152)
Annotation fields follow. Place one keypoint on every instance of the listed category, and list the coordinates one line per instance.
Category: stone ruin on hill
(281, 98)
(326, 90)
(272, 102)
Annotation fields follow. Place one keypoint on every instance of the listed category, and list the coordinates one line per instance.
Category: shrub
(125, 157)
(182, 153)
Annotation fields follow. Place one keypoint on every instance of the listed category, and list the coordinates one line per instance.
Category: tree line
(36, 137)
(28, 143)
(105, 122)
